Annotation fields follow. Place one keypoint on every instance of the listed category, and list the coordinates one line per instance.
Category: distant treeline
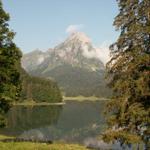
(39, 89)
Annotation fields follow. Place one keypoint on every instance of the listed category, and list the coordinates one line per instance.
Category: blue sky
(43, 23)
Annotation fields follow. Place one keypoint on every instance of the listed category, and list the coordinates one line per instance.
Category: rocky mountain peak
(78, 36)
(77, 50)
(75, 42)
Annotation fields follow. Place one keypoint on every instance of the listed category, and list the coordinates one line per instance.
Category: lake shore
(65, 99)
(82, 98)
(38, 146)
(37, 104)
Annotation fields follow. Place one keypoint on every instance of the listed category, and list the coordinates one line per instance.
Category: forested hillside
(39, 89)
(79, 81)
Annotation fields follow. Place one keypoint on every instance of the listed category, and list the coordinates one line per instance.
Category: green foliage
(39, 89)
(128, 74)
(124, 136)
(9, 66)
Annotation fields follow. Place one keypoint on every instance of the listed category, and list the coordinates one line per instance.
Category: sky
(42, 24)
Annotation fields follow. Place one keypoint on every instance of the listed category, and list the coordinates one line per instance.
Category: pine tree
(128, 73)
(9, 66)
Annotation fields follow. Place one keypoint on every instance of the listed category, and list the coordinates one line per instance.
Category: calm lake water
(72, 122)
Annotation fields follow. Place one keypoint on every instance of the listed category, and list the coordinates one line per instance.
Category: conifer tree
(9, 66)
(128, 73)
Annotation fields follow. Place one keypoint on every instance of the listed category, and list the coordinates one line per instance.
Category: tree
(9, 66)
(128, 73)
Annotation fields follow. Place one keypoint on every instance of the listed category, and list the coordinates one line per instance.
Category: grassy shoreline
(65, 99)
(36, 104)
(37, 146)
(82, 98)
(2, 137)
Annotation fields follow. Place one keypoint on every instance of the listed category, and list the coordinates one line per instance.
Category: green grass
(78, 98)
(5, 137)
(32, 103)
(82, 98)
(37, 146)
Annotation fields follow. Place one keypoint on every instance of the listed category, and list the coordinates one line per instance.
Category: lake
(73, 122)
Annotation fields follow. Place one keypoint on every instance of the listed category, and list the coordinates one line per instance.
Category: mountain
(73, 64)
(32, 60)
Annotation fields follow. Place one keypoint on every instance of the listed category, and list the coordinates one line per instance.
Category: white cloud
(102, 52)
(87, 53)
(74, 28)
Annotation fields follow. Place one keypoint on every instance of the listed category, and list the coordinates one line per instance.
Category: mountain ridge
(71, 64)
(75, 50)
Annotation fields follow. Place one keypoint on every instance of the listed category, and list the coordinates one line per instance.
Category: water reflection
(72, 122)
(79, 122)
(22, 118)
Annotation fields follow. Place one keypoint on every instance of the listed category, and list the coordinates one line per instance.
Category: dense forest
(39, 89)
